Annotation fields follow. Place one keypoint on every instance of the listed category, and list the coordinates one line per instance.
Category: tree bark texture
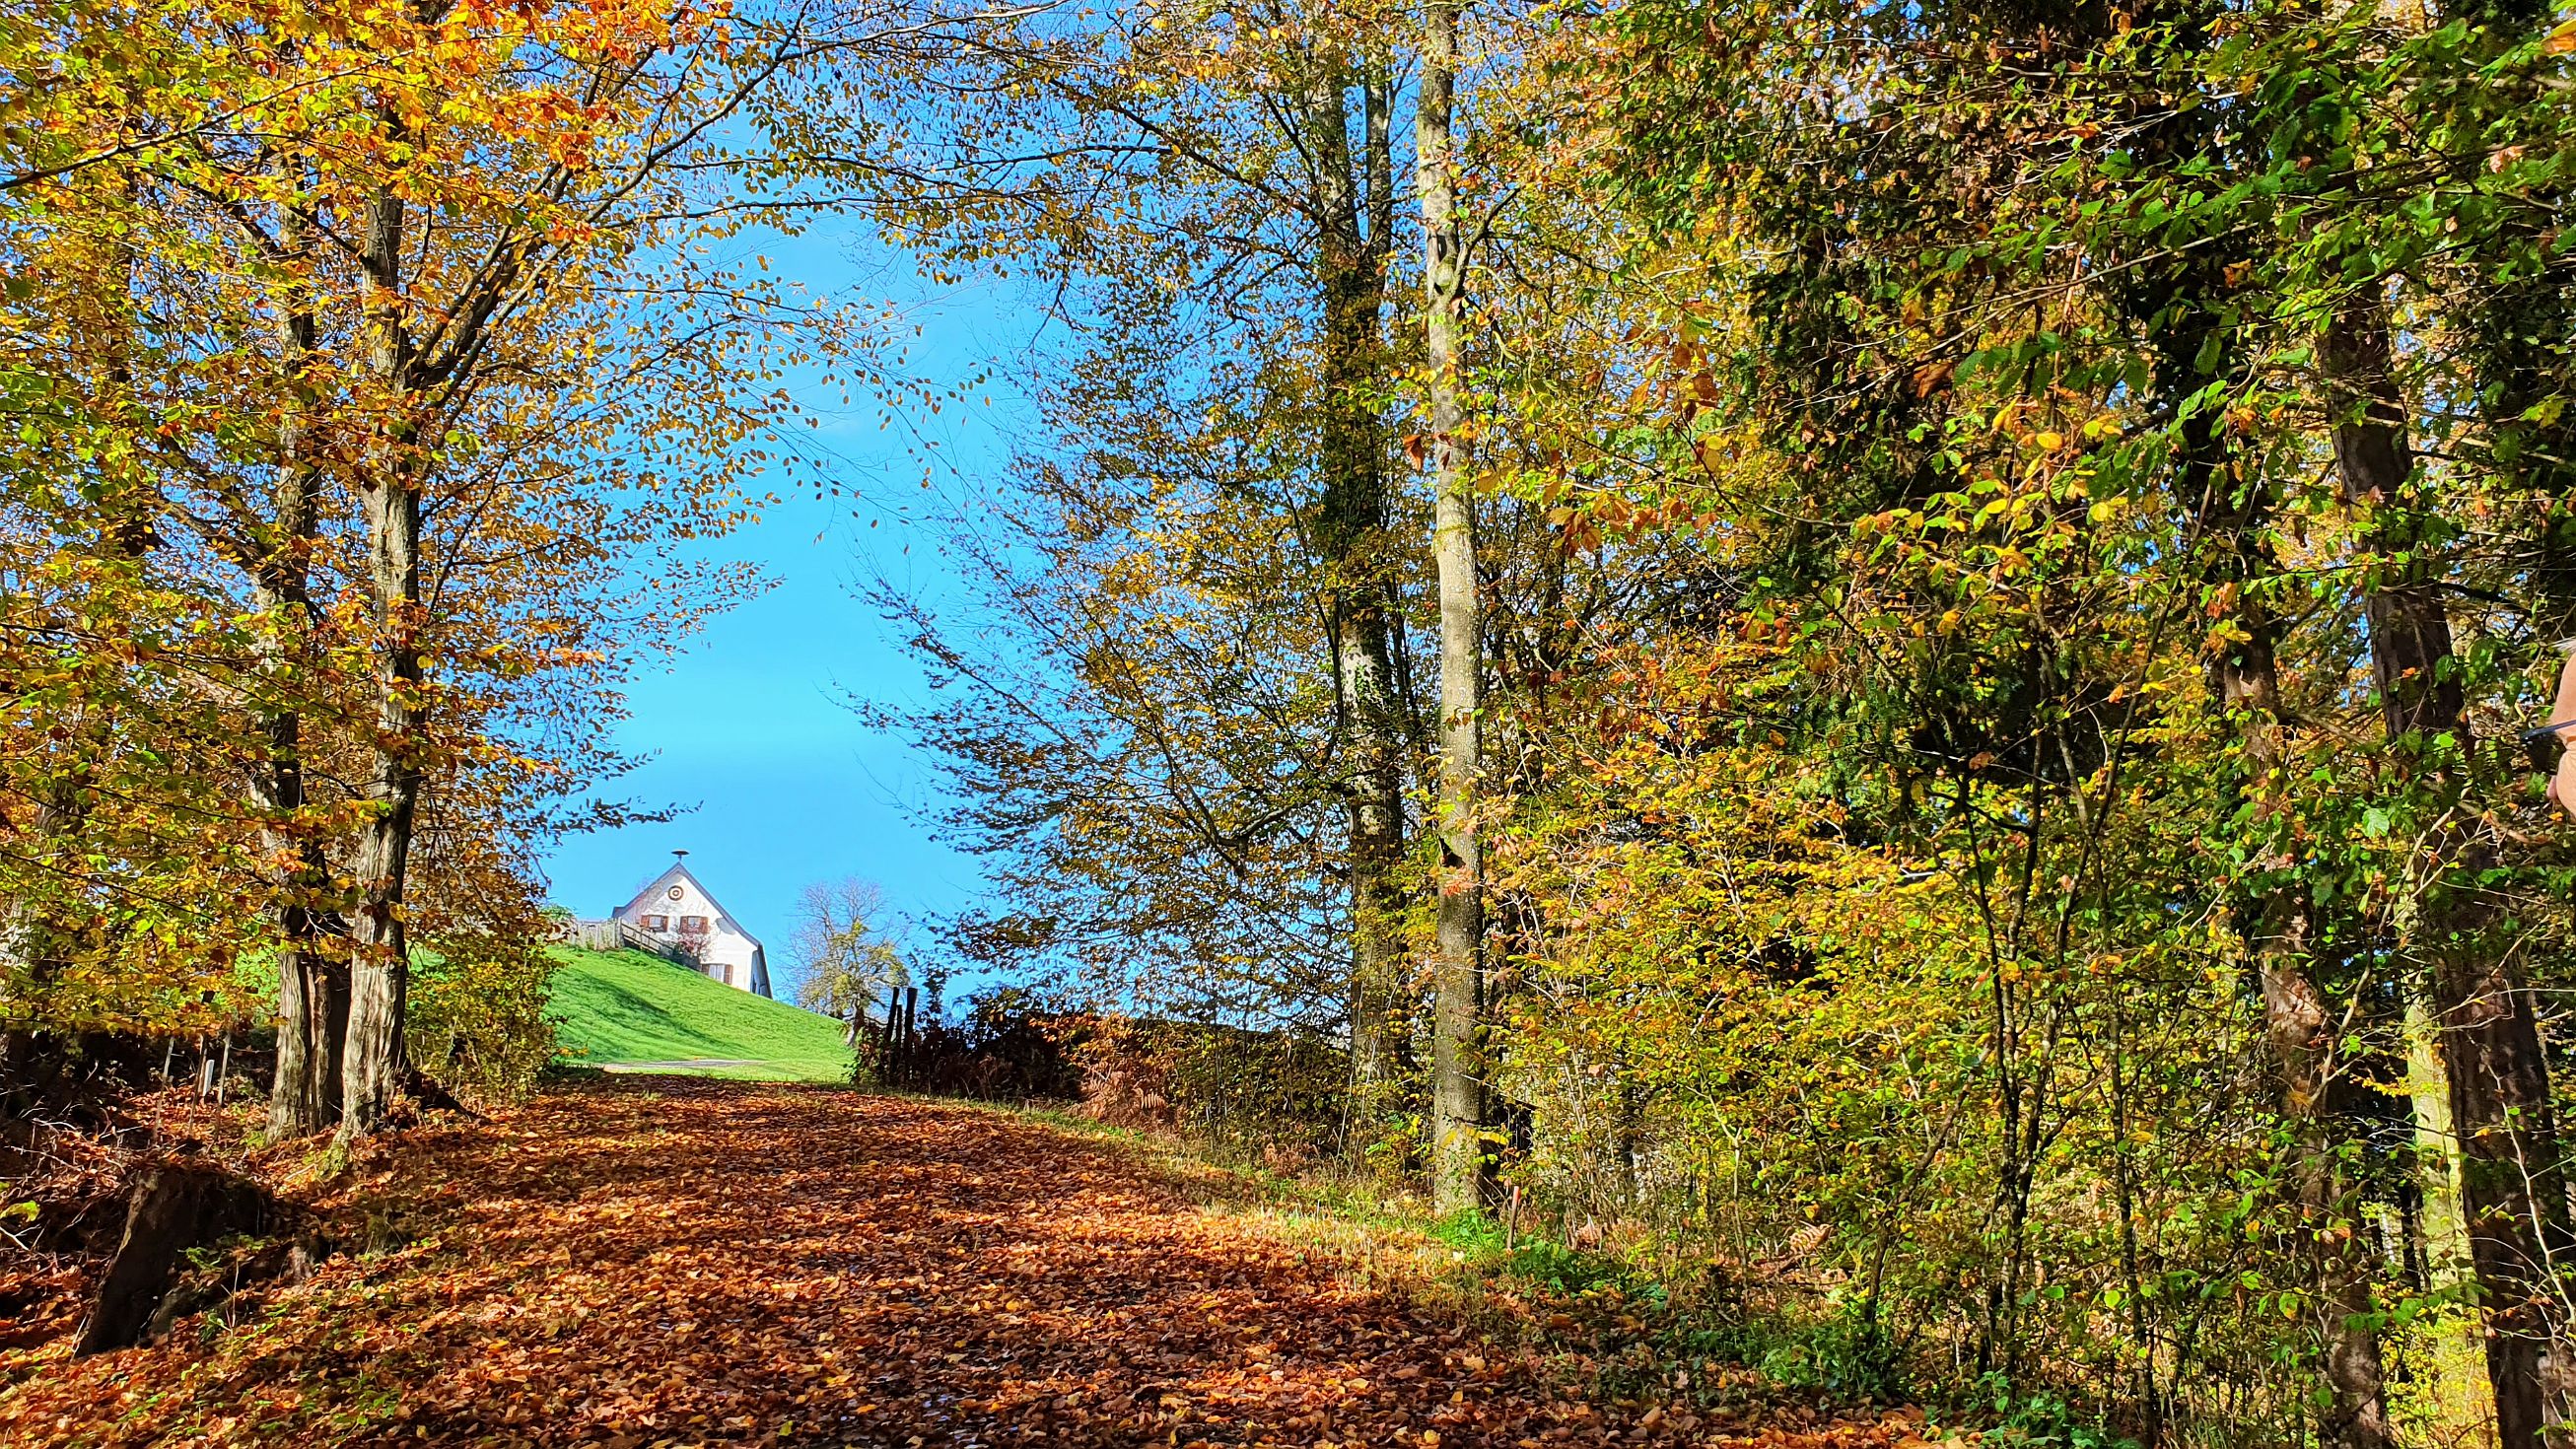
(312, 989)
(1357, 553)
(2300, 1018)
(1461, 1164)
(380, 971)
(173, 1208)
(2512, 1190)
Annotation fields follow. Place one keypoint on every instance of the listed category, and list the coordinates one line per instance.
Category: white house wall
(669, 905)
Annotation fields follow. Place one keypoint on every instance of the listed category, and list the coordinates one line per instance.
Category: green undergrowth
(615, 1008)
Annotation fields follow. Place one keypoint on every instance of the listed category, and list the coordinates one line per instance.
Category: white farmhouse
(679, 911)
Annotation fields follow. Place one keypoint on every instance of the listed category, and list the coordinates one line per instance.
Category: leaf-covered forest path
(680, 1261)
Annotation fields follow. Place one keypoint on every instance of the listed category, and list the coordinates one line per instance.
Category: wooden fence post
(912, 1035)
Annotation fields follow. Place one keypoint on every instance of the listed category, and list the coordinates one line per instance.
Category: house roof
(680, 871)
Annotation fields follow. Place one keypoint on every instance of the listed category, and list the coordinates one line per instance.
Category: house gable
(676, 907)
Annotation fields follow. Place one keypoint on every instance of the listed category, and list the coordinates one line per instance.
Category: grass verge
(624, 1007)
(1598, 1320)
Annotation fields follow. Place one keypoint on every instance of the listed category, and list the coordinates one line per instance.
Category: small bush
(475, 1017)
(1272, 1095)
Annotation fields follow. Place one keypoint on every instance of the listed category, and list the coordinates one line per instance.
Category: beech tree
(1458, 1086)
(427, 339)
(1985, 562)
(2006, 544)
(1243, 162)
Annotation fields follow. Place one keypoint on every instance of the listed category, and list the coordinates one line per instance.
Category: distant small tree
(849, 945)
(690, 949)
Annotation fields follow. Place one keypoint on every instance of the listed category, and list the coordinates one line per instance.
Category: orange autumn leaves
(699, 1262)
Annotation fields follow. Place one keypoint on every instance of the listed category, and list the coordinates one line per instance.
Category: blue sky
(747, 731)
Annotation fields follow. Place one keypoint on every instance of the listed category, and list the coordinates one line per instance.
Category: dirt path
(686, 1262)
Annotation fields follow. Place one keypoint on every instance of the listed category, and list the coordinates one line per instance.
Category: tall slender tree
(1460, 1159)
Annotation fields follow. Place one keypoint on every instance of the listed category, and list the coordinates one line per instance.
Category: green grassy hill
(626, 1006)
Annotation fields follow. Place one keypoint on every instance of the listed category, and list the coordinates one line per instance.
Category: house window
(693, 925)
(657, 923)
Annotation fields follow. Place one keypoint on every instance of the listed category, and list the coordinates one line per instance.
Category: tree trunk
(2302, 1031)
(380, 969)
(2442, 1244)
(1461, 1165)
(312, 990)
(173, 1208)
(1375, 810)
(2300, 1022)
(1352, 536)
(2512, 1192)
(312, 1028)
